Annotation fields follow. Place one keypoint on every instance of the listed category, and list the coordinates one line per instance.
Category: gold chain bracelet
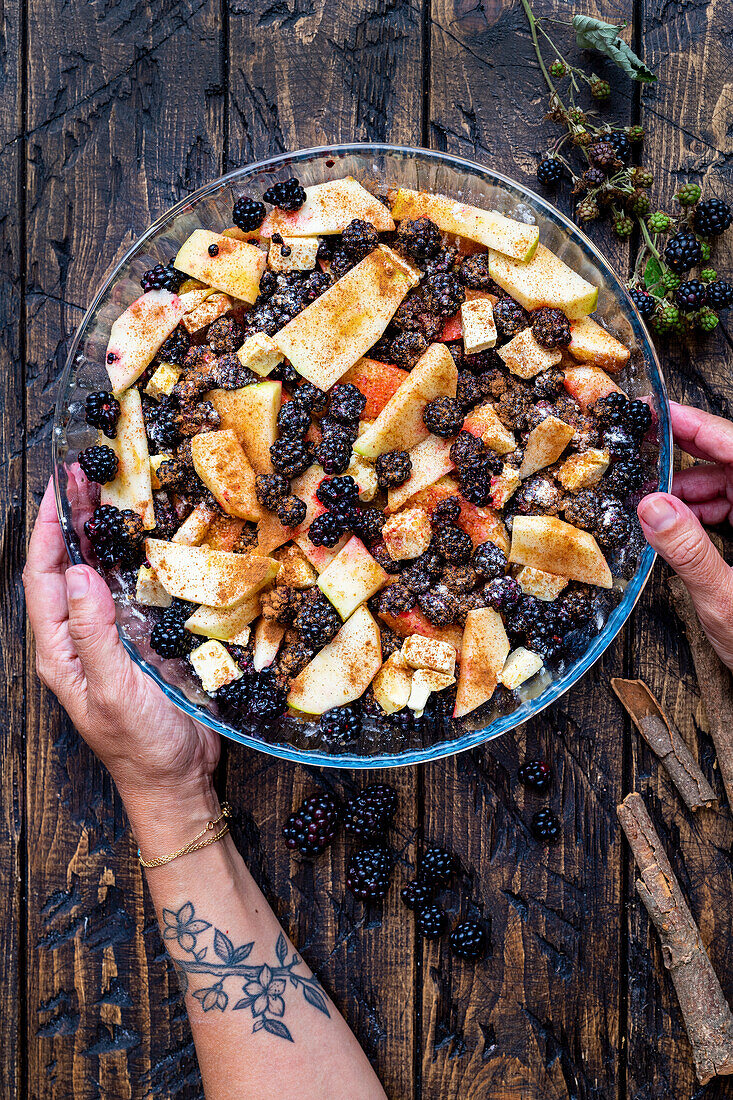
(197, 842)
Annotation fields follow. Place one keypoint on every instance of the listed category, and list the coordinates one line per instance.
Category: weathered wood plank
(116, 132)
(306, 77)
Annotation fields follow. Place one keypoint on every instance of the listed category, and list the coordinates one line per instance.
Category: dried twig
(715, 680)
(708, 1019)
(665, 740)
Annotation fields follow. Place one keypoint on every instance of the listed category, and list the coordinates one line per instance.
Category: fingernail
(77, 583)
(659, 515)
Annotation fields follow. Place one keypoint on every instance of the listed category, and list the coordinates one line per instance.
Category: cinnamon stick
(715, 680)
(708, 1019)
(664, 739)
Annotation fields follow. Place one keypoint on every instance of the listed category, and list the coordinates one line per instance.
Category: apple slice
(548, 543)
(332, 333)
(137, 334)
(300, 256)
(525, 357)
(214, 667)
(251, 412)
(233, 267)
(212, 622)
(483, 656)
(486, 227)
(421, 652)
(483, 524)
(414, 622)
(584, 470)
(541, 585)
(224, 532)
(220, 462)
(588, 384)
(430, 461)
(212, 577)
(268, 636)
(365, 477)
(407, 534)
(195, 526)
(400, 423)
(477, 322)
(431, 496)
(590, 343)
(484, 422)
(424, 683)
(149, 591)
(391, 685)
(132, 487)
(521, 665)
(343, 669)
(295, 570)
(377, 381)
(504, 486)
(270, 531)
(260, 354)
(320, 557)
(328, 208)
(545, 281)
(352, 577)
(545, 444)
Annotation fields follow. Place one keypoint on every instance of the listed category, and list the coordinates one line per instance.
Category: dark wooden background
(111, 111)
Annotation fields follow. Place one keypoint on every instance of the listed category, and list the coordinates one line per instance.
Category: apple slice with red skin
(414, 622)
(591, 344)
(588, 384)
(452, 330)
(377, 381)
(137, 334)
(483, 656)
(343, 669)
(485, 424)
(550, 544)
(483, 524)
(429, 498)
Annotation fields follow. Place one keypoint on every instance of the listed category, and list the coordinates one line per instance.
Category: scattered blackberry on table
(270, 488)
(310, 398)
(550, 327)
(359, 239)
(286, 196)
(682, 252)
(368, 873)
(430, 921)
(340, 724)
(453, 543)
(313, 826)
(439, 608)
(444, 293)
(267, 699)
(100, 464)
(346, 403)
(437, 867)
(290, 457)
(603, 155)
(163, 277)
(102, 410)
(621, 143)
(536, 774)
(420, 238)
(691, 295)
(248, 214)
(415, 894)
(293, 420)
(720, 294)
(443, 416)
(550, 172)
(473, 271)
(594, 177)
(116, 536)
(637, 203)
(502, 593)
(225, 335)
(489, 561)
(393, 468)
(334, 491)
(509, 318)
(169, 638)
(407, 348)
(326, 530)
(468, 940)
(368, 815)
(712, 217)
(396, 599)
(643, 301)
(545, 825)
(291, 510)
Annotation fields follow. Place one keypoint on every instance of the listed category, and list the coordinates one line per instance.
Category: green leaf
(594, 34)
(652, 273)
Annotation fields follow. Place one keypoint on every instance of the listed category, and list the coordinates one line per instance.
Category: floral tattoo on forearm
(264, 986)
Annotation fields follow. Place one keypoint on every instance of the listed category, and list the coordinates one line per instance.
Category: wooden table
(111, 112)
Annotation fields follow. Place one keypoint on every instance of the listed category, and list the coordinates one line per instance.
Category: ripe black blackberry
(346, 403)
(331, 426)
(270, 488)
(536, 774)
(233, 698)
(549, 172)
(116, 536)
(467, 450)
(575, 609)
(468, 940)
(312, 827)
(334, 452)
(413, 315)
(396, 599)
(290, 457)
(545, 825)
(359, 239)
(643, 301)
(163, 277)
(624, 477)
(430, 921)
(690, 295)
(192, 419)
(437, 867)
(281, 298)
(291, 510)
(502, 593)
(334, 491)
(453, 543)
(225, 335)
(416, 894)
(475, 482)
(468, 390)
(446, 511)
(489, 561)
(340, 725)
(102, 410)
(381, 554)
(720, 295)
(417, 579)
(439, 608)
(550, 327)
(682, 252)
(637, 419)
(229, 374)
(509, 317)
(459, 578)
(420, 238)
(248, 214)
(368, 815)
(341, 262)
(444, 293)
(407, 348)
(293, 421)
(309, 397)
(393, 468)
(614, 525)
(547, 385)
(473, 271)
(443, 416)
(621, 144)
(317, 622)
(326, 529)
(368, 873)
(175, 348)
(712, 217)
(288, 195)
(100, 464)
(169, 637)
(267, 699)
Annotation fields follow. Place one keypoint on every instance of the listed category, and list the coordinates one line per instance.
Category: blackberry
(475, 482)
(293, 658)
(691, 295)
(317, 622)
(509, 318)
(225, 335)
(536, 774)
(229, 374)
(416, 894)
(313, 826)
(102, 411)
(334, 491)
(439, 608)
(638, 418)
(281, 604)
(712, 217)
(594, 177)
(175, 348)
(643, 301)
(443, 416)
(286, 196)
(621, 144)
(625, 477)
(340, 724)
(393, 468)
(270, 488)
(707, 319)
(719, 295)
(246, 539)
(116, 536)
(474, 272)
(281, 298)
(416, 578)
(443, 262)
(192, 419)
(334, 452)
(290, 457)
(638, 203)
(453, 543)
(437, 867)
(381, 554)
(233, 698)
(346, 403)
(446, 511)
(489, 561)
(682, 252)
(169, 638)
(291, 510)
(459, 578)
(397, 599)
(368, 873)
(603, 155)
(419, 238)
(248, 214)
(100, 464)
(502, 593)
(550, 327)
(545, 825)
(267, 699)
(547, 385)
(293, 421)
(468, 940)
(341, 262)
(444, 293)
(284, 372)
(467, 450)
(430, 921)
(575, 610)
(413, 315)
(326, 529)
(407, 348)
(359, 239)
(163, 277)
(368, 815)
(309, 397)
(468, 391)
(640, 177)
(331, 426)
(549, 172)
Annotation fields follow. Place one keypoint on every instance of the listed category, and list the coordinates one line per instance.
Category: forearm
(259, 1017)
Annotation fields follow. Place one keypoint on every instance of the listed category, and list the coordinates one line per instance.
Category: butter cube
(429, 653)
(392, 684)
(525, 357)
(424, 681)
(583, 470)
(300, 254)
(213, 666)
(149, 591)
(520, 665)
(538, 583)
(407, 534)
(260, 354)
(477, 321)
(163, 380)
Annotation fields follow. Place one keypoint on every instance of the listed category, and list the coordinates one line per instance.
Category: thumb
(92, 625)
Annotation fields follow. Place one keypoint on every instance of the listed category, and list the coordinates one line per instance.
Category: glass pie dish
(378, 167)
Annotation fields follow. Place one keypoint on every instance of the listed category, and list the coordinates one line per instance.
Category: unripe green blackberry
(600, 89)
(636, 134)
(641, 177)
(708, 274)
(576, 115)
(707, 319)
(670, 281)
(623, 227)
(587, 210)
(583, 138)
(689, 194)
(706, 250)
(638, 203)
(659, 222)
(558, 68)
(666, 317)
